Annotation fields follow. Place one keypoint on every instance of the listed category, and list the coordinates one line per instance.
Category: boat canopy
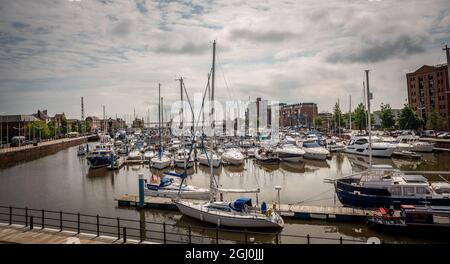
(180, 175)
(240, 203)
(311, 144)
(166, 181)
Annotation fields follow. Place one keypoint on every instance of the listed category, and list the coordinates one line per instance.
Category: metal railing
(149, 231)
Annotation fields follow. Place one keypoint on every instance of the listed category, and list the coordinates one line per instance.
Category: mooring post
(141, 190)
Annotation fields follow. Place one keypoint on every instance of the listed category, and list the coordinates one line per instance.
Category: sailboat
(162, 160)
(240, 213)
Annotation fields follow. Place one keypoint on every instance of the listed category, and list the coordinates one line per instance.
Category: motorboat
(161, 161)
(134, 155)
(334, 145)
(314, 151)
(383, 186)
(266, 155)
(182, 159)
(412, 143)
(290, 153)
(233, 156)
(360, 146)
(101, 155)
(167, 187)
(82, 151)
(216, 159)
(428, 219)
(148, 154)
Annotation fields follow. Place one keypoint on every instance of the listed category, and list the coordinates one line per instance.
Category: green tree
(63, 129)
(39, 129)
(408, 119)
(318, 121)
(359, 117)
(387, 116)
(337, 116)
(88, 127)
(435, 121)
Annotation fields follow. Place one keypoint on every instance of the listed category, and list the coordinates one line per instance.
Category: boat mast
(159, 120)
(368, 119)
(350, 114)
(211, 182)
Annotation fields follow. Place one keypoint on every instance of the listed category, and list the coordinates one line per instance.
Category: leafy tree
(359, 117)
(435, 121)
(39, 129)
(387, 116)
(408, 119)
(317, 121)
(88, 127)
(64, 126)
(337, 116)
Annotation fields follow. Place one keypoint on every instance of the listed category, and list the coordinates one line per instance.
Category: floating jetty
(118, 164)
(330, 213)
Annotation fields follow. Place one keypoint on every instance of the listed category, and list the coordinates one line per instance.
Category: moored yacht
(314, 151)
(101, 155)
(183, 159)
(233, 156)
(266, 155)
(167, 187)
(290, 153)
(383, 186)
(360, 146)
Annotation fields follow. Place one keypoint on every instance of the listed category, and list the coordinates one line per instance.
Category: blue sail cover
(165, 182)
(180, 175)
(238, 204)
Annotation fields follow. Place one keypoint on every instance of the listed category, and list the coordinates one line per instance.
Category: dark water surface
(63, 182)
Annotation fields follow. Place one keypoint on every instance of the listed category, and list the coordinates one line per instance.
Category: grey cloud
(187, 48)
(376, 51)
(122, 28)
(261, 36)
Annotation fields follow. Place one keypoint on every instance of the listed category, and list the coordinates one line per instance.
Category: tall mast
(350, 114)
(211, 182)
(181, 109)
(159, 119)
(368, 119)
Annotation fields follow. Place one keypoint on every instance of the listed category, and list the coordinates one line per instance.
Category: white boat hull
(181, 163)
(384, 153)
(160, 164)
(198, 211)
(196, 195)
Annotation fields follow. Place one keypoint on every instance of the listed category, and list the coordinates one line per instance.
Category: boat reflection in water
(208, 232)
(297, 167)
(317, 163)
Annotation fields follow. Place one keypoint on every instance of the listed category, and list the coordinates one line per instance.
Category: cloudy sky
(114, 53)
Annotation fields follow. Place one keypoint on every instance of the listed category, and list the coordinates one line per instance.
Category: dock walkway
(19, 234)
(331, 213)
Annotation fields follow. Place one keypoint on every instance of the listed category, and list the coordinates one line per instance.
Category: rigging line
(223, 75)
(312, 197)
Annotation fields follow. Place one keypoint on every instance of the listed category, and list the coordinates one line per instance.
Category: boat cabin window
(397, 190)
(408, 190)
(422, 190)
(361, 141)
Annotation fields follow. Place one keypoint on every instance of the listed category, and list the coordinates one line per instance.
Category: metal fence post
(190, 238)
(124, 234)
(78, 223)
(10, 215)
(118, 228)
(340, 240)
(31, 222)
(217, 235)
(98, 226)
(307, 238)
(164, 231)
(43, 218)
(141, 235)
(276, 239)
(26, 216)
(245, 235)
(60, 221)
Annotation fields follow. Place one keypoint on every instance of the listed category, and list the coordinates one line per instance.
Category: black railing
(148, 231)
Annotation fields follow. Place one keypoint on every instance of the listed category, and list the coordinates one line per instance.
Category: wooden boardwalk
(331, 213)
(18, 234)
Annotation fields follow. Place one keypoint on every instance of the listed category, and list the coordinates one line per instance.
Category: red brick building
(301, 114)
(428, 89)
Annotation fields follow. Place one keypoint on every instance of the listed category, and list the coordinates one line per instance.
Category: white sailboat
(162, 160)
(240, 213)
(233, 156)
(167, 187)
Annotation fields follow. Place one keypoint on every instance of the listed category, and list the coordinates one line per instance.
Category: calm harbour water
(63, 182)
